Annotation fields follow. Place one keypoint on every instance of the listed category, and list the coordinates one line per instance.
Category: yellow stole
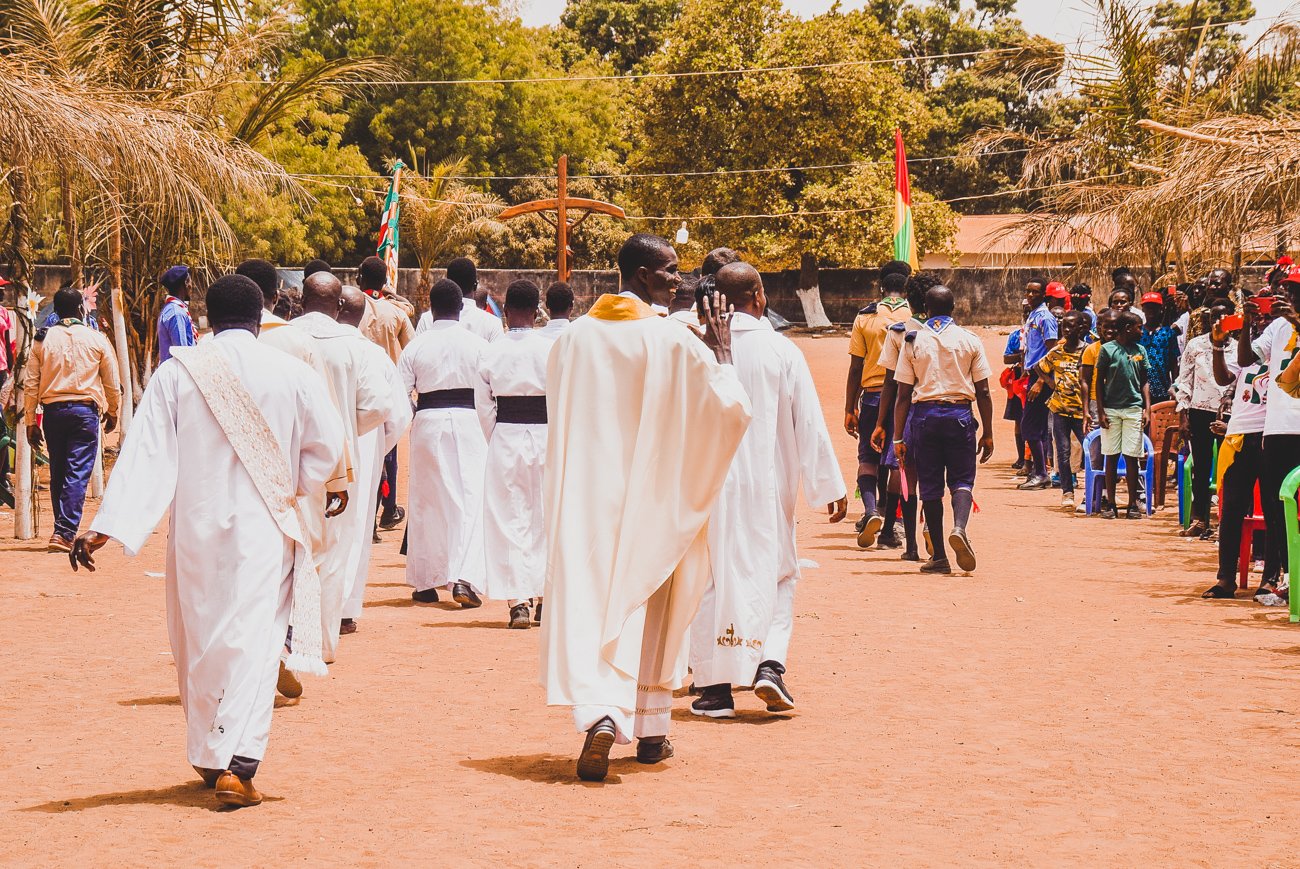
(612, 307)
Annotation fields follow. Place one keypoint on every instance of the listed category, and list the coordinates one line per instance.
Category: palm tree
(441, 216)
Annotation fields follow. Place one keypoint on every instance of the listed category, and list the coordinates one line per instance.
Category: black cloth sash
(441, 398)
(521, 409)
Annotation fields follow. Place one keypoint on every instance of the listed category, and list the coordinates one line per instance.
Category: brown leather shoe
(347, 626)
(209, 776)
(235, 791)
(288, 684)
(59, 544)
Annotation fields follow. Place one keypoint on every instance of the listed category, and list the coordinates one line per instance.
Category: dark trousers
(1063, 428)
(71, 438)
(1238, 500)
(1202, 461)
(389, 501)
(1281, 456)
(943, 439)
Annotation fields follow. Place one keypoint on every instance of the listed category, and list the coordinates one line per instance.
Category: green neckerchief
(893, 303)
(71, 321)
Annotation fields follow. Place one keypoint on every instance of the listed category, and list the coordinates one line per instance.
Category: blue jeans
(1064, 428)
(72, 438)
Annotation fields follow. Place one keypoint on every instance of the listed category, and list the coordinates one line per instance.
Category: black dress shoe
(389, 521)
(519, 617)
(1035, 482)
(715, 701)
(890, 539)
(593, 763)
(936, 565)
(910, 555)
(537, 613)
(428, 595)
(464, 595)
(653, 750)
(770, 687)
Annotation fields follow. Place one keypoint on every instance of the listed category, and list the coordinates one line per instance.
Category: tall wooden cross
(562, 204)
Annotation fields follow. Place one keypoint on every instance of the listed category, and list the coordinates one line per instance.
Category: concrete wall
(985, 297)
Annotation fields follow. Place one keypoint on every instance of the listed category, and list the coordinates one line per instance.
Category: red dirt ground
(1073, 702)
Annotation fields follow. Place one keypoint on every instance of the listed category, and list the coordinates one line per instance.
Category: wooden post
(562, 220)
(24, 478)
(119, 323)
(70, 230)
(561, 205)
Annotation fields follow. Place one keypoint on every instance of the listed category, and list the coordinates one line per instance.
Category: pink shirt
(6, 336)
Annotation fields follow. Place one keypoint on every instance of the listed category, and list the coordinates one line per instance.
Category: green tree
(621, 32)
(1195, 43)
(497, 128)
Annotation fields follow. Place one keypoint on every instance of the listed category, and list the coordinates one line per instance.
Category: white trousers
(777, 647)
(638, 708)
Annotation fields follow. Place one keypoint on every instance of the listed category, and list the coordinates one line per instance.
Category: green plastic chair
(1289, 487)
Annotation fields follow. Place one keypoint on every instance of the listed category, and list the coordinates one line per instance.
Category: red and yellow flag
(904, 234)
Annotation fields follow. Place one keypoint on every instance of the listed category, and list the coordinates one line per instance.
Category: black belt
(440, 398)
(521, 409)
(82, 402)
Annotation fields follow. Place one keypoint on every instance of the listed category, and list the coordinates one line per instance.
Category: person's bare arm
(1222, 375)
(888, 394)
(902, 407)
(1102, 369)
(984, 401)
(852, 392)
(1245, 352)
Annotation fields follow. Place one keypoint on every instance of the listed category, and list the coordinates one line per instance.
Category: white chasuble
(643, 426)
(229, 565)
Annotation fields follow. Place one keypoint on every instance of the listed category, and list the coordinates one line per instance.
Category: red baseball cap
(1153, 299)
(1292, 275)
(1056, 290)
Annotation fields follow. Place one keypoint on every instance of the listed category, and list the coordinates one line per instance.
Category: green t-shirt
(1126, 372)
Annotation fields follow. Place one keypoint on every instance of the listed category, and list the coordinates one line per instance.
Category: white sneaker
(1067, 502)
(1081, 507)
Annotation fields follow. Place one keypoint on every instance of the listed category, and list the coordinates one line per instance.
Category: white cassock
(514, 533)
(371, 449)
(554, 329)
(229, 567)
(366, 401)
(643, 426)
(444, 527)
(752, 529)
(482, 323)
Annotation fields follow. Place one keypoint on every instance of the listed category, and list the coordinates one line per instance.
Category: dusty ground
(1073, 702)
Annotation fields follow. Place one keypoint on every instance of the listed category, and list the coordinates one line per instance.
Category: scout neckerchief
(185, 306)
(71, 321)
(894, 303)
(938, 324)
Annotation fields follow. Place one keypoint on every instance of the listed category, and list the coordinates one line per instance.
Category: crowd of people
(627, 479)
(1098, 389)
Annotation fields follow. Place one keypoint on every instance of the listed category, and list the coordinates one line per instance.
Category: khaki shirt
(868, 337)
(944, 365)
(72, 363)
(387, 322)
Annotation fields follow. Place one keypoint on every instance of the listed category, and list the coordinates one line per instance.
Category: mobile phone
(1232, 322)
(1264, 303)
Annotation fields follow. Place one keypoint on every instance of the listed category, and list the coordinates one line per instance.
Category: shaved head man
(741, 634)
(322, 294)
(352, 306)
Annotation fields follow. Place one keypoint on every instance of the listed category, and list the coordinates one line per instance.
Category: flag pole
(387, 248)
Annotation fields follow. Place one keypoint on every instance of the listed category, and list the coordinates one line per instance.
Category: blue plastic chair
(1094, 479)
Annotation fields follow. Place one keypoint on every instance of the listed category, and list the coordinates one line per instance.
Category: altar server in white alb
(559, 308)
(464, 274)
(372, 447)
(227, 435)
(644, 420)
(444, 528)
(512, 404)
(366, 401)
(741, 635)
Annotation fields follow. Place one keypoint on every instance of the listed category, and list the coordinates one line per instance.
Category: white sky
(1062, 20)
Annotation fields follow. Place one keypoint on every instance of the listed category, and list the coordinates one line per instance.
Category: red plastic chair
(1249, 526)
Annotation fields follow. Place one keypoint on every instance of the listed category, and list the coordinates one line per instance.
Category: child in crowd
(1161, 345)
(1124, 399)
(1059, 371)
(1107, 327)
(1013, 380)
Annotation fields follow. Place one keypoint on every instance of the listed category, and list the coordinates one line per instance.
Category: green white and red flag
(388, 227)
(904, 232)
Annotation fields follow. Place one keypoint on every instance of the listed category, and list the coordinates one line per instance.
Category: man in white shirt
(444, 529)
(462, 272)
(937, 382)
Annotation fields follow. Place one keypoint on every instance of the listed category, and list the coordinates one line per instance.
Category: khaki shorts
(1125, 433)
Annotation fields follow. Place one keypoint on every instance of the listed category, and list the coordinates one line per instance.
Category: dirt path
(1071, 703)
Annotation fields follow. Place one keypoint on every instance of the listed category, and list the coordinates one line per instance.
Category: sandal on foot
(1219, 592)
